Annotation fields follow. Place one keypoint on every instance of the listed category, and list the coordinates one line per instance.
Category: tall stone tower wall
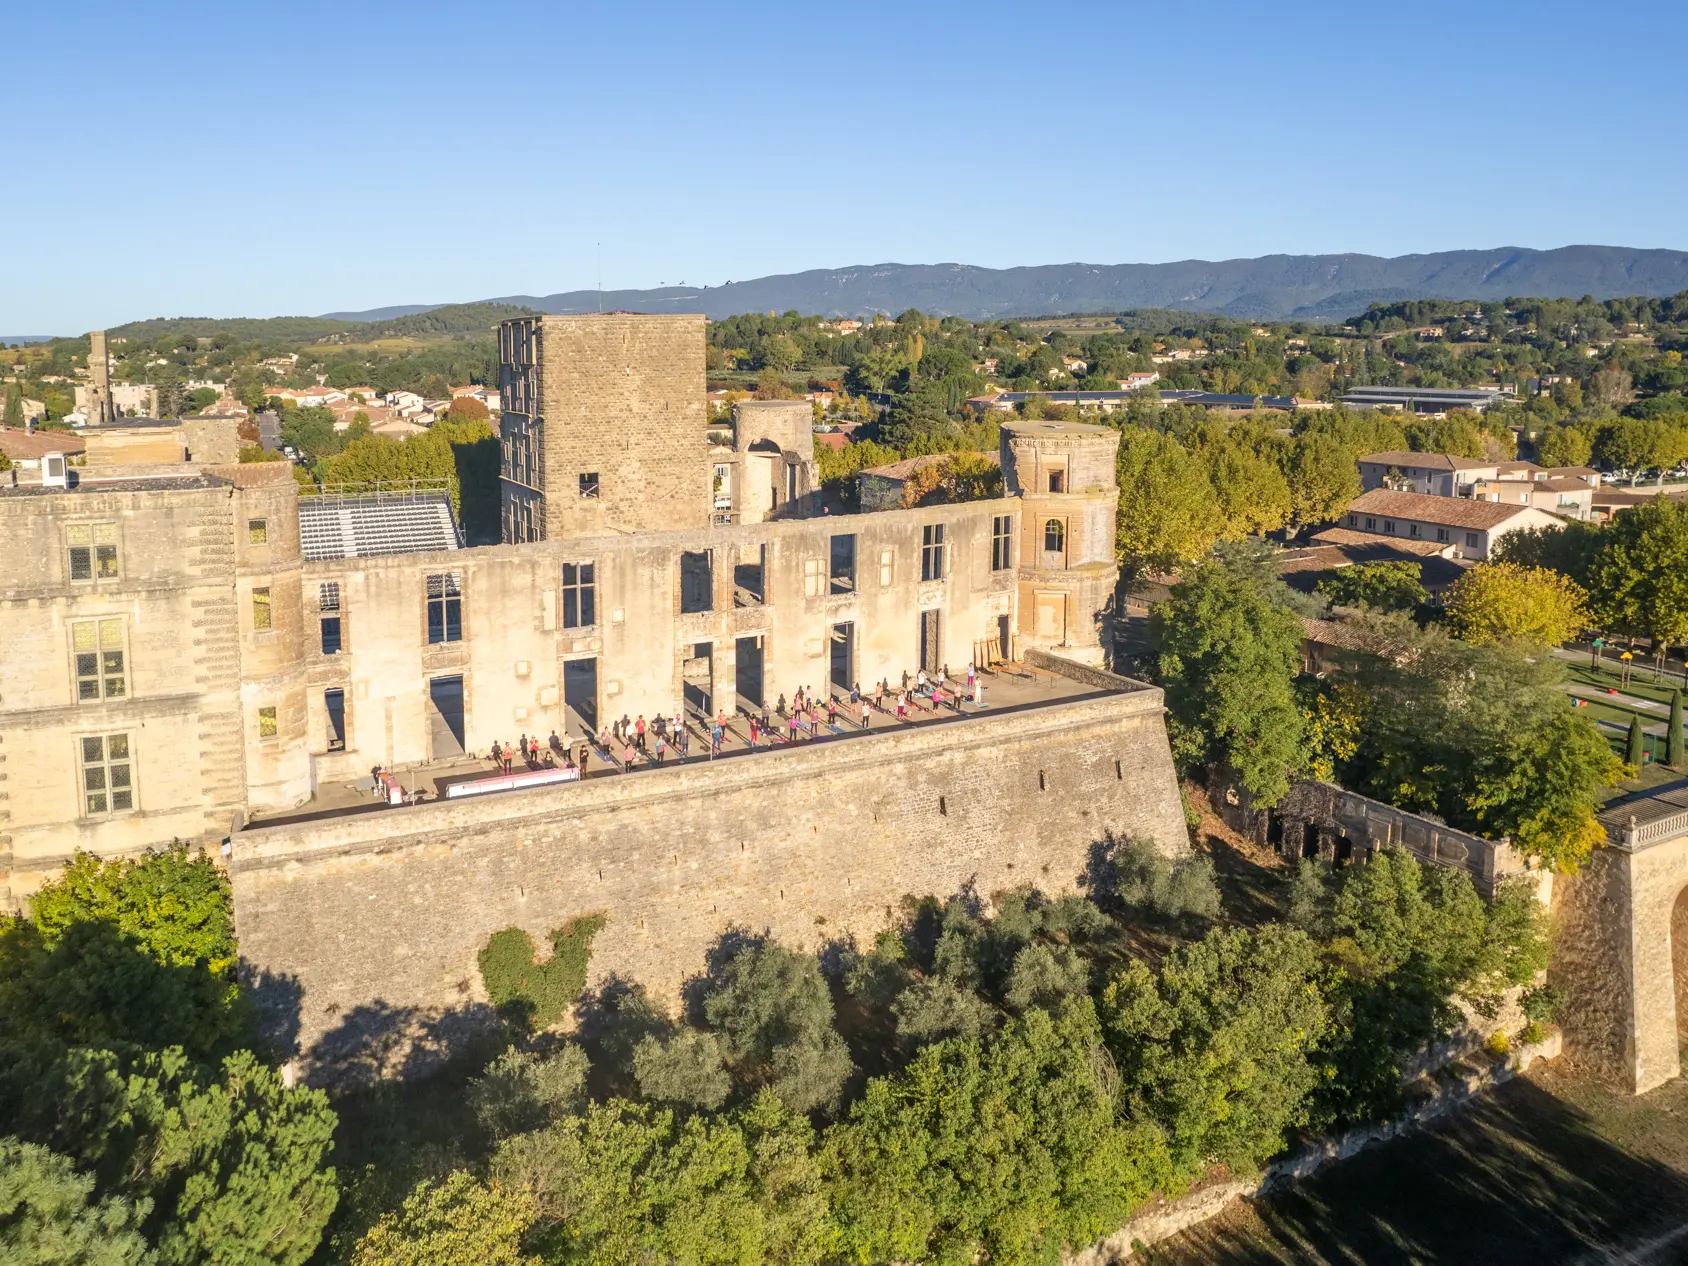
(100, 411)
(1065, 475)
(612, 436)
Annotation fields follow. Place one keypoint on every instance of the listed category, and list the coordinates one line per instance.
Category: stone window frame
(933, 550)
(258, 532)
(108, 638)
(450, 600)
(841, 580)
(101, 555)
(1058, 535)
(330, 610)
(335, 745)
(113, 759)
(269, 721)
(814, 578)
(1002, 542)
(263, 609)
(591, 486)
(582, 592)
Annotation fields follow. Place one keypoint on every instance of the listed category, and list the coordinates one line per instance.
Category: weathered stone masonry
(809, 843)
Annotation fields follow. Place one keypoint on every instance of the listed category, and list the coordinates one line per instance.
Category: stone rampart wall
(377, 918)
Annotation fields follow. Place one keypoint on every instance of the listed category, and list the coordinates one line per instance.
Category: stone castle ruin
(192, 650)
(195, 651)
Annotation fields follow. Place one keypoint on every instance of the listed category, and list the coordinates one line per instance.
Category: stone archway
(1621, 953)
(1679, 967)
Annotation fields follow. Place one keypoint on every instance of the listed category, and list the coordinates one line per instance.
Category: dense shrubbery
(972, 1086)
(981, 1083)
(138, 1109)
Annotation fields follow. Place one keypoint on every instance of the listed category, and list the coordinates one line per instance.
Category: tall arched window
(1054, 537)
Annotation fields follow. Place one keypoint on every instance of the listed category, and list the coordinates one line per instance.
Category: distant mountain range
(1299, 287)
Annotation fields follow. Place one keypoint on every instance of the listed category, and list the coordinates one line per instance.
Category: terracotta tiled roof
(29, 446)
(1459, 512)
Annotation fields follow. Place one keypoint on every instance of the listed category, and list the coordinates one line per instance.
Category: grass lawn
(1641, 683)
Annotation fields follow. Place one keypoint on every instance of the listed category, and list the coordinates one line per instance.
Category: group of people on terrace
(631, 742)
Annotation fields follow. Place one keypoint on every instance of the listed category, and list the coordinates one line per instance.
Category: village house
(1472, 527)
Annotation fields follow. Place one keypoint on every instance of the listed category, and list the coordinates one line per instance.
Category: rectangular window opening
(262, 617)
(93, 551)
(932, 552)
(334, 703)
(445, 607)
(589, 486)
(107, 775)
(697, 582)
(580, 596)
(842, 571)
(1002, 540)
(257, 531)
(98, 647)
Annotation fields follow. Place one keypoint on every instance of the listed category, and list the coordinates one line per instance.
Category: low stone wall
(1166, 1218)
(365, 928)
(1340, 825)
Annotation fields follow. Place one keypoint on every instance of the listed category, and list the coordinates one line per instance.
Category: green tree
(626, 1182)
(1639, 576)
(50, 1216)
(1004, 1149)
(1322, 477)
(773, 1012)
(1391, 586)
(687, 1068)
(1524, 606)
(459, 1222)
(1216, 1047)
(1635, 747)
(779, 353)
(1146, 879)
(1482, 736)
(521, 1090)
(1563, 446)
(1407, 942)
(1228, 655)
(231, 1163)
(14, 406)
(176, 907)
(1673, 739)
(1167, 511)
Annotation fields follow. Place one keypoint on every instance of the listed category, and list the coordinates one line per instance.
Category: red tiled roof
(1460, 512)
(29, 446)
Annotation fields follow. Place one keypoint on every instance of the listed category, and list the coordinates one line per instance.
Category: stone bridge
(1622, 947)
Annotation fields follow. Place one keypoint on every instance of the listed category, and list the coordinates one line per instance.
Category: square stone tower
(603, 425)
(1066, 478)
(99, 410)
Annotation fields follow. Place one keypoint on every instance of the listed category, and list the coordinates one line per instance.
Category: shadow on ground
(1524, 1176)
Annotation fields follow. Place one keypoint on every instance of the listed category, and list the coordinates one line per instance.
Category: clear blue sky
(246, 159)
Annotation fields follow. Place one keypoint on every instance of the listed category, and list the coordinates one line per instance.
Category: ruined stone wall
(1349, 826)
(376, 919)
(515, 644)
(173, 600)
(622, 397)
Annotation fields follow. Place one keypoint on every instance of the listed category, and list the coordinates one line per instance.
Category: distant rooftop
(363, 527)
